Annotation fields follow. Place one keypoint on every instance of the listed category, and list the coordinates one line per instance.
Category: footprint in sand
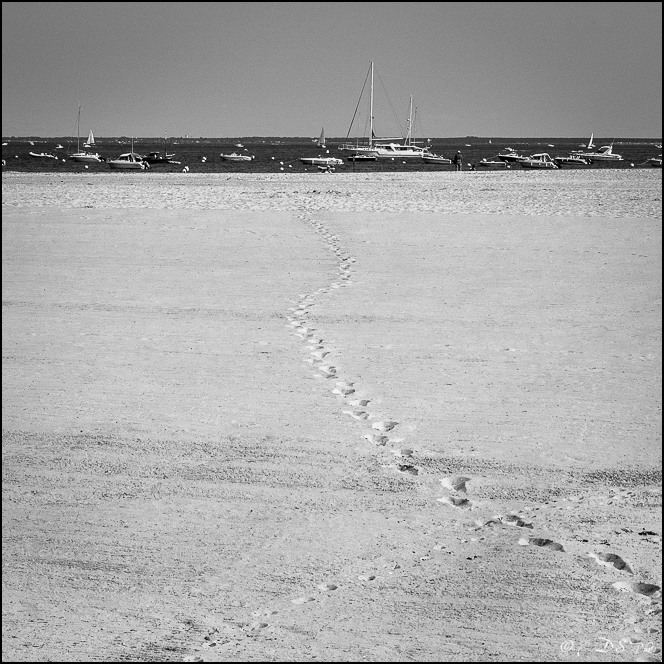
(514, 520)
(344, 388)
(455, 483)
(647, 589)
(384, 426)
(459, 503)
(303, 600)
(377, 439)
(326, 587)
(359, 402)
(319, 354)
(357, 414)
(261, 613)
(611, 560)
(403, 452)
(407, 468)
(542, 542)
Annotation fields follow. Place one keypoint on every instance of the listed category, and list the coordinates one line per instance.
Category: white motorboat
(511, 156)
(234, 156)
(571, 160)
(605, 153)
(129, 161)
(82, 155)
(492, 165)
(541, 160)
(435, 159)
(42, 155)
(362, 157)
(321, 161)
(656, 162)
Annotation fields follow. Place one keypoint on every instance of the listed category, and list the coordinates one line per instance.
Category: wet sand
(332, 417)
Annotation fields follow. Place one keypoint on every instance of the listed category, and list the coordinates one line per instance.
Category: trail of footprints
(379, 432)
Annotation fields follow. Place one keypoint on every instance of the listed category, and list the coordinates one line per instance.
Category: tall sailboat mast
(78, 130)
(410, 121)
(371, 99)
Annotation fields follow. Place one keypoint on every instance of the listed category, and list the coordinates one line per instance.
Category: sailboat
(158, 158)
(82, 155)
(321, 139)
(91, 140)
(386, 148)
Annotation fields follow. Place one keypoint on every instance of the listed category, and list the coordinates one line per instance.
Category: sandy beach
(332, 417)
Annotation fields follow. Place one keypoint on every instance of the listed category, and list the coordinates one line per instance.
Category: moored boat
(42, 155)
(234, 156)
(362, 157)
(386, 148)
(82, 155)
(129, 161)
(605, 153)
(492, 165)
(321, 161)
(435, 159)
(158, 158)
(511, 156)
(571, 160)
(541, 160)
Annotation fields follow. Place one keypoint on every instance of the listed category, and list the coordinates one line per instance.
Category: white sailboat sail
(590, 142)
(321, 138)
(91, 140)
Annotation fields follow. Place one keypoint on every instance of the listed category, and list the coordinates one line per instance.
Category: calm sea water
(273, 154)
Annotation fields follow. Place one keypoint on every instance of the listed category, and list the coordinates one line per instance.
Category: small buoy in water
(632, 165)
(281, 162)
(290, 165)
(273, 158)
(86, 166)
(282, 168)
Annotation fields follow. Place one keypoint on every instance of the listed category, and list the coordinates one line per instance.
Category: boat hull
(436, 160)
(126, 166)
(538, 166)
(42, 155)
(86, 158)
(321, 161)
(493, 165)
(571, 162)
(511, 159)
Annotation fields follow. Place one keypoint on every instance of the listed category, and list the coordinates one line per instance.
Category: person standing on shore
(457, 160)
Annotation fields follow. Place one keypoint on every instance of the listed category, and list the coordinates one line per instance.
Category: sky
(234, 69)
